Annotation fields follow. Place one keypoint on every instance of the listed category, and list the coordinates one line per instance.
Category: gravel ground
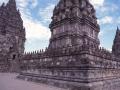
(9, 82)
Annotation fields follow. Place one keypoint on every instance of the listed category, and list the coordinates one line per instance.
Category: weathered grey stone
(73, 59)
(12, 37)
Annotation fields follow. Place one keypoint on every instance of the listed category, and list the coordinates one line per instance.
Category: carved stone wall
(78, 68)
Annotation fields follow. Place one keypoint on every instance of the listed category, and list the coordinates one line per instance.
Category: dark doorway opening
(14, 56)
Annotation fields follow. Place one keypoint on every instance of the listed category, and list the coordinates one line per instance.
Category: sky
(36, 15)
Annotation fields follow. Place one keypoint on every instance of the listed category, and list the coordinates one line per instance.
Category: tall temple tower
(74, 23)
(116, 44)
(12, 37)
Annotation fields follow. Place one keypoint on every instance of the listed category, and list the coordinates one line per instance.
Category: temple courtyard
(8, 81)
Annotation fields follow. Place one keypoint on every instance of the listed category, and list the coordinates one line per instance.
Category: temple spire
(116, 43)
(117, 33)
(12, 4)
(118, 28)
(74, 8)
(3, 4)
(12, 1)
(2, 7)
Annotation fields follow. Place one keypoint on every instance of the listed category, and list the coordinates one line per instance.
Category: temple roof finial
(3, 4)
(12, 3)
(118, 28)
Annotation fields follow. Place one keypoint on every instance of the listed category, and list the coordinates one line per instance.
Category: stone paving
(9, 82)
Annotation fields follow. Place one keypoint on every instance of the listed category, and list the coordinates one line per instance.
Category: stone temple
(12, 37)
(73, 60)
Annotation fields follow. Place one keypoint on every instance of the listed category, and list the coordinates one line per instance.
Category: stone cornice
(84, 21)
